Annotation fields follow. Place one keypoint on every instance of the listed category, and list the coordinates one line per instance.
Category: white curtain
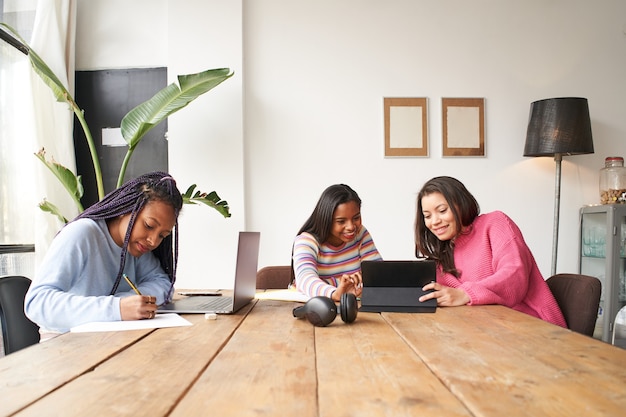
(39, 122)
(17, 194)
(53, 39)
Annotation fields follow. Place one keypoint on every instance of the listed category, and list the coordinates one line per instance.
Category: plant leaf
(51, 208)
(61, 95)
(211, 199)
(43, 70)
(168, 101)
(134, 125)
(72, 183)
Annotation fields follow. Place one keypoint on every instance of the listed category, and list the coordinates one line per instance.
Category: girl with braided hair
(132, 231)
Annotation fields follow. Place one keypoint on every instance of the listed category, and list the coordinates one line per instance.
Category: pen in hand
(131, 284)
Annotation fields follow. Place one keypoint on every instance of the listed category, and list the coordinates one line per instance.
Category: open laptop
(396, 286)
(244, 289)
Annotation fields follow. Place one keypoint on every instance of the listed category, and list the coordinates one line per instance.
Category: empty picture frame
(463, 126)
(406, 127)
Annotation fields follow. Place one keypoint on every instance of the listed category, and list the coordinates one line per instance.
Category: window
(17, 146)
(17, 142)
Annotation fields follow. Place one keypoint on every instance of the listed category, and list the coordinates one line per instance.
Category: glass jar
(613, 181)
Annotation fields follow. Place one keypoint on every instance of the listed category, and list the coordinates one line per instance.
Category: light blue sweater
(73, 283)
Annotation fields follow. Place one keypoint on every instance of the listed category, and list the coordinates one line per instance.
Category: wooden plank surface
(461, 361)
(502, 362)
(267, 369)
(31, 373)
(149, 377)
(368, 370)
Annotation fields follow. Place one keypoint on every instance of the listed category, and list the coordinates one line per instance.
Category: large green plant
(134, 125)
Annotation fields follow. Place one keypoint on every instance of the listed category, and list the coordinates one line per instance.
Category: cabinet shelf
(601, 254)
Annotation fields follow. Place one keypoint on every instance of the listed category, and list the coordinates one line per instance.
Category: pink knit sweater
(497, 267)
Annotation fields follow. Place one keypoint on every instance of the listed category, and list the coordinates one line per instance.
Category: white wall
(205, 138)
(305, 108)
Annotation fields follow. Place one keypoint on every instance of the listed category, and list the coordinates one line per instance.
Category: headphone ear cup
(320, 311)
(348, 307)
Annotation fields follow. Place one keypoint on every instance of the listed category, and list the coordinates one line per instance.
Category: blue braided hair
(131, 198)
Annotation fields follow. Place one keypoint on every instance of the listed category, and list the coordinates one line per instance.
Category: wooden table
(462, 361)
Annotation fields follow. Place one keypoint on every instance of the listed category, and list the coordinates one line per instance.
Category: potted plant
(134, 125)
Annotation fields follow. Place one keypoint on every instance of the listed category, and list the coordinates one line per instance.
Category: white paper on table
(160, 320)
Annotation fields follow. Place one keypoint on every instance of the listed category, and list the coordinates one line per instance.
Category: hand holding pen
(136, 308)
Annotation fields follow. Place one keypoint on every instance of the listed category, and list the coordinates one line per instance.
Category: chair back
(273, 277)
(18, 331)
(619, 329)
(578, 296)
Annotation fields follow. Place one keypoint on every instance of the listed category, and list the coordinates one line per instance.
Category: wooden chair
(18, 331)
(578, 296)
(273, 277)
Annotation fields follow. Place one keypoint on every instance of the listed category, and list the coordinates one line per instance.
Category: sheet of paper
(161, 320)
(282, 295)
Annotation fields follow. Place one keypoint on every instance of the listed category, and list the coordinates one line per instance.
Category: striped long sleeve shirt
(318, 268)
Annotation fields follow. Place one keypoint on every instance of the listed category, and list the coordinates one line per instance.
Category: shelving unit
(602, 253)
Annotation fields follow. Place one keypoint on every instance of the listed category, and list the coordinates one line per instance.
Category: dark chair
(578, 297)
(18, 331)
(273, 277)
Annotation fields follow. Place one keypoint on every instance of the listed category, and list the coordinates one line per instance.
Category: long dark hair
(131, 198)
(320, 222)
(465, 209)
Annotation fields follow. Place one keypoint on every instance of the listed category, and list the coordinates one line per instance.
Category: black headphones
(321, 311)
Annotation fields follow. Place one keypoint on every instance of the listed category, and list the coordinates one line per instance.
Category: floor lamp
(557, 127)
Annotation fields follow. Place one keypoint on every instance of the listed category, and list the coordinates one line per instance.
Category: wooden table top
(261, 361)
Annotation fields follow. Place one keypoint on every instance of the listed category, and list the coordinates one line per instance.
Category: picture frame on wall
(463, 126)
(406, 126)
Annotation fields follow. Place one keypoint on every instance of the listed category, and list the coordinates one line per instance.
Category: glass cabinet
(603, 254)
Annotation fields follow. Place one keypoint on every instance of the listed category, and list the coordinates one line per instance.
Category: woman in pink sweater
(481, 258)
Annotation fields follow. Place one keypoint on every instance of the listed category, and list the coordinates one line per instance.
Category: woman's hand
(349, 283)
(446, 296)
(138, 307)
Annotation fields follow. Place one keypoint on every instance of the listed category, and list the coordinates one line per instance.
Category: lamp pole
(556, 127)
(557, 206)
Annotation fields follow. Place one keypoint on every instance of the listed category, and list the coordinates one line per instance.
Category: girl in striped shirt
(329, 248)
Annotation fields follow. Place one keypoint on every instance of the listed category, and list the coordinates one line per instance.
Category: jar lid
(614, 158)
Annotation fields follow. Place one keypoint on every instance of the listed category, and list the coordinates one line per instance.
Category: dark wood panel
(106, 96)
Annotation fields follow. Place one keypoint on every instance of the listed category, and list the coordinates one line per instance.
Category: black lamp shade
(559, 126)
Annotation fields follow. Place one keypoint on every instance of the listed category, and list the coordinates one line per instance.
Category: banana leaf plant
(134, 125)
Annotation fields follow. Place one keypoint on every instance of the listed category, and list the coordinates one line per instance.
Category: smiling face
(155, 221)
(438, 216)
(346, 223)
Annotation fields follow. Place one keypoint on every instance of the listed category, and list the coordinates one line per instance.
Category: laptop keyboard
(216, 303)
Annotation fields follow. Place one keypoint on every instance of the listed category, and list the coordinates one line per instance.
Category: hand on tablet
(446, 296)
